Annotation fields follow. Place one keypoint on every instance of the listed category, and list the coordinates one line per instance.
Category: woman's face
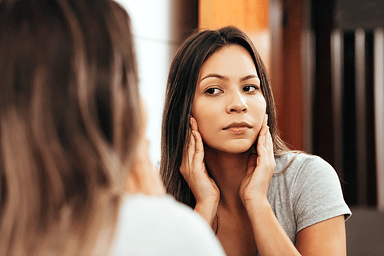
(229, 105)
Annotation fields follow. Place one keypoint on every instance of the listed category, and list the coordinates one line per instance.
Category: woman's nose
(237, 103)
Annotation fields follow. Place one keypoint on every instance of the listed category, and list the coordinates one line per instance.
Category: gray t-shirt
(306, 193)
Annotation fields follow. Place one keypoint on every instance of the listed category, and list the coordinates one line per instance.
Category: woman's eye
(213, 91)
(250, 88)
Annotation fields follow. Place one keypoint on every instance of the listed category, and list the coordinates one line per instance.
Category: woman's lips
(238, 128)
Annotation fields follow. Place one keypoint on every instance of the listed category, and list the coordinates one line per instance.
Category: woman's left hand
(255, 184)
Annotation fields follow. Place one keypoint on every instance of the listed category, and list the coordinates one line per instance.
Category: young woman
(69, 133)
(222, 156)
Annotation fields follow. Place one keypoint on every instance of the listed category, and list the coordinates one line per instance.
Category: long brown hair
(179, 97)
(68, 124)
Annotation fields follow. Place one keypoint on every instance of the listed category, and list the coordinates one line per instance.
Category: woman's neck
(228, 170)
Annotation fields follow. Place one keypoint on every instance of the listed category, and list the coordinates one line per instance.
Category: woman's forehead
(232, 61)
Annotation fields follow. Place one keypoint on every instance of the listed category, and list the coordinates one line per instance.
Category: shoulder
(302, 166)
(297, 160)
(315, 189)
(161, 226)
(304, 190)
(305, 173)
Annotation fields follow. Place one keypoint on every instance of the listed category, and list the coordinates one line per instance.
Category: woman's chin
(232, 149)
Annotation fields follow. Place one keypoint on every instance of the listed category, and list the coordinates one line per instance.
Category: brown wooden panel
(293, 76)
(248, 15)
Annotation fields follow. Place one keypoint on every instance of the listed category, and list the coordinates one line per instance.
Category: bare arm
(270, 236)
(323, 238)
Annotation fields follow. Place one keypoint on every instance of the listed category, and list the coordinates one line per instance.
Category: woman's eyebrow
(248, 77)
(225, 78)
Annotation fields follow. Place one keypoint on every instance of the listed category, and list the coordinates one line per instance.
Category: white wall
(150, 26)
(159, 26)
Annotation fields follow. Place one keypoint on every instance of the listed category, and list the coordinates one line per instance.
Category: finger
(185, 155)
(199, 148)
(191, 148)
(261, 145)
(186, 161)
(264, 130)
(265, 120)
(194, 125)
(269, 145)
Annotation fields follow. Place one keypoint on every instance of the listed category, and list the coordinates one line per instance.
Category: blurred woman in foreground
(70, 131)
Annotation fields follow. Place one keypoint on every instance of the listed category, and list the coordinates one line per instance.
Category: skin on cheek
(203, 123)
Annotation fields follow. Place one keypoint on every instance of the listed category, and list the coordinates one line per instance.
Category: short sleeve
(162, 226)
(317, 193)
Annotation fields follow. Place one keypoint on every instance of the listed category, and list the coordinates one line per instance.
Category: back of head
(68, 123)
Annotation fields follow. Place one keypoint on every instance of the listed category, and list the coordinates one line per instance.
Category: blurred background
(326, 65)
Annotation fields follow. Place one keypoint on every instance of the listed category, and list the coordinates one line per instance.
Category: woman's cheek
(206, 134)
(203, 132)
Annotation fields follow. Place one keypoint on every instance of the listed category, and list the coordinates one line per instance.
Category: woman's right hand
(195, 173)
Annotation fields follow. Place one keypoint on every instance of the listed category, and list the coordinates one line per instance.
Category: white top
(150, 225)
